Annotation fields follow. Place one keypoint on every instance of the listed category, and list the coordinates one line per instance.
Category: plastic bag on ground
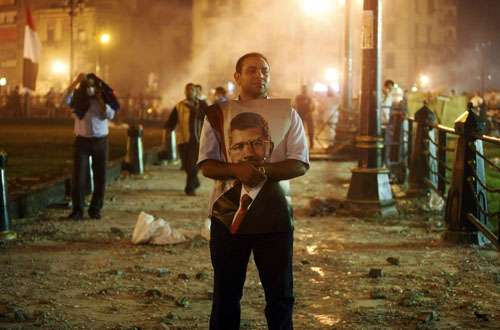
(155, 231)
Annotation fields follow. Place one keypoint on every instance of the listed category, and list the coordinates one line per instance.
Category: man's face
(254, 77)
(190, 92)
(248, 145)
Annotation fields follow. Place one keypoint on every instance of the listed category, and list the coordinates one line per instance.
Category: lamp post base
(465, 237)
(370, 193)
(8, 235)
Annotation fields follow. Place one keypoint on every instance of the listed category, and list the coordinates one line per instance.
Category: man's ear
(237, 76)
(271, 148)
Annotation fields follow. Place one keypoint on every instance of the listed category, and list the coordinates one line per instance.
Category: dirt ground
(62, 274)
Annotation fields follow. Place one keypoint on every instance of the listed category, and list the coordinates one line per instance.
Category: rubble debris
(393, 261)
(201, 276)
(183, 276)
(375, 273)
(162, 272)
(153, 293)
(378, 294)
(183, 302)
(480, 316)
(319, 207)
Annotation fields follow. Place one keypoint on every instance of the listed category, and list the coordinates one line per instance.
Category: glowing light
(425, 80)
(104, 38)
(149, 111)
(341, 3)
(230, 87)
(335, 86)
(320, 87)
(59, 67)
(316, 7)
(332, 74)
(414, 89)
(3, 81)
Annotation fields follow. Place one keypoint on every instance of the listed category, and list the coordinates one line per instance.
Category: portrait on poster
(257, 124)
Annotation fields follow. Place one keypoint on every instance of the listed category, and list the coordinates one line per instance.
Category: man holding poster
(250, 205)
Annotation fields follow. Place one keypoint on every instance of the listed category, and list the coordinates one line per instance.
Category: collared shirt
(93, 123)
(293, 146)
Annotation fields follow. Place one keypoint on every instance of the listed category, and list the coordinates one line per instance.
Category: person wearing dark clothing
(50, 102)
(187, 119)
(305, 106)
(220, 95)
(93, 103)
(14, 102)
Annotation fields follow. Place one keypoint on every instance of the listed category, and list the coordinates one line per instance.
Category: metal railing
(463, 186)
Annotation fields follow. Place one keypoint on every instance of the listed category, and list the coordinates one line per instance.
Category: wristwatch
(262, 170)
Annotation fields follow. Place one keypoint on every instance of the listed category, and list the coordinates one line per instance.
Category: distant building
(419, 37)
(10, 41)
(301, 47)
(147, 49)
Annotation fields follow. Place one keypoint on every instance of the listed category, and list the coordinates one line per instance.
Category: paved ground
(87, 275)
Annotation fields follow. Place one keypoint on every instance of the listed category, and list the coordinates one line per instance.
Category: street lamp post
(369, 189)
(347, 88)
(73, 5)
(345, 129)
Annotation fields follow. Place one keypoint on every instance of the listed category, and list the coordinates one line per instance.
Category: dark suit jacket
(269, 212)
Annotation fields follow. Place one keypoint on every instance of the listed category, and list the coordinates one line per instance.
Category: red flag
(31, 55)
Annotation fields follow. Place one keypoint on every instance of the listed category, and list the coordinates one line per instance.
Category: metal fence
(424, 150)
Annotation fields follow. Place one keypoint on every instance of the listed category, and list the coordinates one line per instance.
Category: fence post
(466, 195)
(169, 152)
(419, 162)
(5, 232)
(134, 160)
(441, 156)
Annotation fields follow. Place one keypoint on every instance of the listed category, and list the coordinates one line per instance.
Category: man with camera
(93, 103)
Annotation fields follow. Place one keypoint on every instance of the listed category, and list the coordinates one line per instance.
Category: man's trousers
(273, 257)
(188, 153)
(97, 148)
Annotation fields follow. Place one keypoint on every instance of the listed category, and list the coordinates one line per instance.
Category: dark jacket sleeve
(172, 120)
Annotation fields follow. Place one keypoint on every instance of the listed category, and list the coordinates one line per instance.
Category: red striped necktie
(245, 202)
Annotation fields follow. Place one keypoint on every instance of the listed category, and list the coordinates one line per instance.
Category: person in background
(304, 105)
(50, 102)
(186, 119)
(220, 95)
(387, 100)
(93, 103)
(14, 102)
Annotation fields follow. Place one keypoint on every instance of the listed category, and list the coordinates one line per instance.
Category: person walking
(93, 103)
(305, 107)
(186, 119)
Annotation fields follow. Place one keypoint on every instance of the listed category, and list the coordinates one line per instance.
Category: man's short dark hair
(189, 85)
(246, 120)
(239, 63)
(388, 83)
(220, 90)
